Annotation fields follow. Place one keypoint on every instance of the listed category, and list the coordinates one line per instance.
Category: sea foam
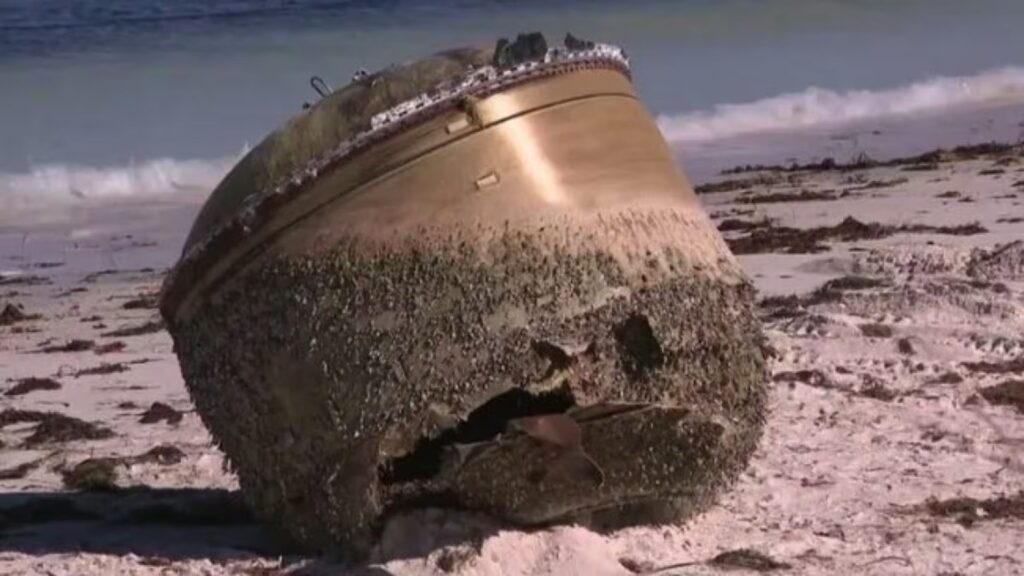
(815, 107)
(153, 177)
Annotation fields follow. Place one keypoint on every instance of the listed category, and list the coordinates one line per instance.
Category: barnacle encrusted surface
(371, 377)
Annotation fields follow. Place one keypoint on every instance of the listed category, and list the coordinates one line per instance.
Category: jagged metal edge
(478, 82)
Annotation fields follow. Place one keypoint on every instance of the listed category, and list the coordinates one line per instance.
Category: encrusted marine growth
(543, 331)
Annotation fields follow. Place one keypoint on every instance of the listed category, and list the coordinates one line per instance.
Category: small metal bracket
(488, 180)
(321, 87)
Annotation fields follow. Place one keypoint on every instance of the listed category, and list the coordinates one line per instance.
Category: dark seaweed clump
(53, 427)
(26, 385)
(812, 240)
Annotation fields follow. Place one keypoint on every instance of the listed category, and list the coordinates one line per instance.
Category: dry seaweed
(103, 369)
(150, 327)
(164, 454)
(946, 378)
(1014, 366)
(737, 184)
(70, 346)
(737, 225)
(968, 511)
(20, 471)
(24, 280)
(53, 427)
(905, 347)
(746, 559)
(109, 348)
(876, 389)
(781, 197)
(160, 412)
(863, 161)
(876, 330)
(813, 378)
(92, 475)
(142, 302)
(809, 241)
(875, 184)
(1008, 393)
(12, 314)
(27, 385)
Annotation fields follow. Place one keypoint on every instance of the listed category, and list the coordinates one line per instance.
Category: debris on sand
(905, 347)
(747, 559)
(876, 389)
(876, 330)
(788, 240)
(160, 412)
(93, 475)
(737, 184)
(70, 346)
(164, 454)
(12, 314)
(946, 378)
(792, 305)
(109, 348)
(737, 225)
(968, 511)
(1014, 366)
(20, 471)
(31, 384)
(102, 370)
(994, 150)
(1005, 262)
(781, 197)
(637, 566)
(1009, 393)
(876, 184)
(813, 378)
(142, 302)
(54, 427)
(150, 327)
(24, 280)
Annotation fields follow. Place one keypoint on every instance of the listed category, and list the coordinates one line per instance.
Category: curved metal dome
(333, 121)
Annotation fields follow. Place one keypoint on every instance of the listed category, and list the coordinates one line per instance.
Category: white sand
(837, 486)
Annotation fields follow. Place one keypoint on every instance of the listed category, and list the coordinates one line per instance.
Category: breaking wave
(57, 183)
(820, 107)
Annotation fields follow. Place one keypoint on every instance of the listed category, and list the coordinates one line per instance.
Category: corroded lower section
(534, 384)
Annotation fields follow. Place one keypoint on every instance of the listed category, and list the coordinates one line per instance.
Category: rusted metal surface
(508, 299)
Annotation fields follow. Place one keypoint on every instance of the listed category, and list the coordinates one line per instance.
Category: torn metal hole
(638, 346)
(483, 424)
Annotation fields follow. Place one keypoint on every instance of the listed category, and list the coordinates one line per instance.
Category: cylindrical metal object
(502, 296)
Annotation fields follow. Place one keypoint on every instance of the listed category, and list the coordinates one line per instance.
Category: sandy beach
(892, 295)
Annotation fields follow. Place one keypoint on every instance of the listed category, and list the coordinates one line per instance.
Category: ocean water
(123, 99)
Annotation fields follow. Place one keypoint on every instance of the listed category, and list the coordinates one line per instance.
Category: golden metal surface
(575, 145)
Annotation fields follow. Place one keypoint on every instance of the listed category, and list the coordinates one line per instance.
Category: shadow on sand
(168, 525)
